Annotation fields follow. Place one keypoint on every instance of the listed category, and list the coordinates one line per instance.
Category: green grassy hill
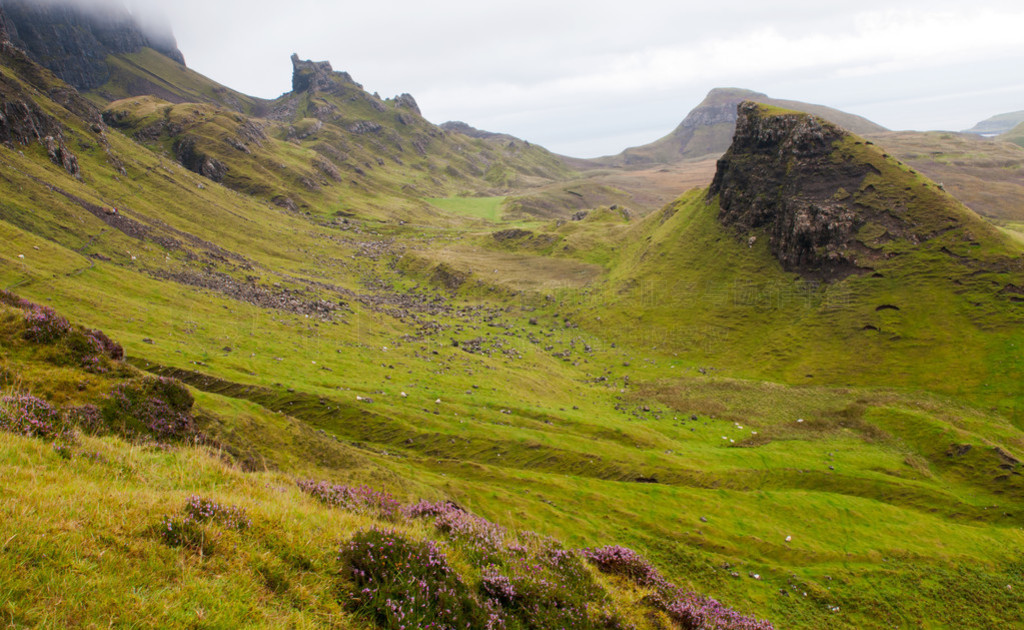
(1015, 135)
(839, 451)
(1000, 123)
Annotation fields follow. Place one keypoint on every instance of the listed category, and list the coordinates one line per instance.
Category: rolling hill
(998, 124)
(1015, 135)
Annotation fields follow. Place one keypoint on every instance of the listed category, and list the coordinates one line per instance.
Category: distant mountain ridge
(998, 124)
(708, 129)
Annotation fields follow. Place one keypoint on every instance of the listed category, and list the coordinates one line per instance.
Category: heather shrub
(86, 347)
(541, 585)
(427, 509)
(105, 345)
(31, 416)
(408, 584)
(481, 540)
(179, 532)
(44, 325)
(618, 560)
(194, 530)
(203, 510)
(172, 391)
(159, 407)
(527, 581)
(532, 596)
(691, 611)
(91, 349)
(361, 499)
(12, 299)
(85, 417)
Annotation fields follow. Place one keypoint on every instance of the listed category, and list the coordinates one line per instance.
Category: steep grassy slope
(608, 389)
(150, 73)
(933, 300)
(331, 147)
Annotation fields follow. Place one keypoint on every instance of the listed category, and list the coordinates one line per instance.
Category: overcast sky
(592, 77)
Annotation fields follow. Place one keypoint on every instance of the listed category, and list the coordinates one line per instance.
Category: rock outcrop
(457, 126)
(780, 176)
(406, 101)
(22, 121)
(318, 76)
(74, 42)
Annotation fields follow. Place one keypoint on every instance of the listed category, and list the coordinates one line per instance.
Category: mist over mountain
(73, 39)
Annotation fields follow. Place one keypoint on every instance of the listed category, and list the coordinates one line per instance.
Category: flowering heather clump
(85, 417)
(624, 561)
(172, 391)
(63, 449)
(164, 422)
(497, 586)
(403, 584)
(362, 499)
(204, 510)
(31, 416)
(480, 538)
(426, 509)
(179, 532)
(44, 325)
(690, 610)
(189, 531)
(105, 345)
(12, 299)
(156, 406)
(93, 364)
(699, 612)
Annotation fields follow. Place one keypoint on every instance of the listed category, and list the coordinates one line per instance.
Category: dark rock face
(457, 126)
(408, 102)
(74, 42)
(720, 106)
(318, 76)
(22, 122)
(780, 176)
(198, 162)
(4, 37)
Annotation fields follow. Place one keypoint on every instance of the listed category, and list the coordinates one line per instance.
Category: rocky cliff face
(74, 42)
(22, 121)
(781, 176)
(318, 76)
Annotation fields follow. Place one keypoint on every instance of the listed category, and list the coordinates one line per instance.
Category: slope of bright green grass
(487, 208)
